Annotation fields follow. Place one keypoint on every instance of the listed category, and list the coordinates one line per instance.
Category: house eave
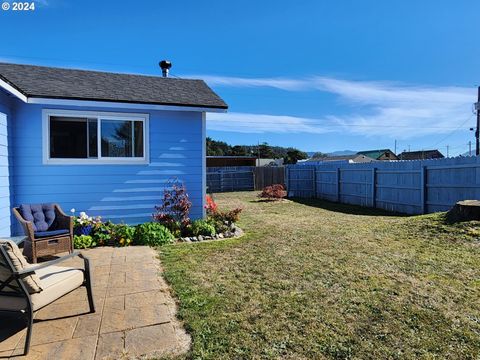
(120, 104)
(13, 90)
(105, 104)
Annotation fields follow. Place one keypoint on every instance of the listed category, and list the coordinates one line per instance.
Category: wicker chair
(26, 288)
(48, 229)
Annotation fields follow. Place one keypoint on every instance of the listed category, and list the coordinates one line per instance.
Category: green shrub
(123, 234)
(103, 233)
(153, 234)
(83, 242)
(219, 226)
(202, 227)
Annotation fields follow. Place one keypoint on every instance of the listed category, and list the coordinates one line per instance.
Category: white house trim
(204, 163)
(46, 113)
(7, 87)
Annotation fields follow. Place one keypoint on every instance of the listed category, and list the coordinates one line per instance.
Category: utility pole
(470, 148)
(447, 150)
(395, 146)
(408, 148)
(477, 134)
(258, 152)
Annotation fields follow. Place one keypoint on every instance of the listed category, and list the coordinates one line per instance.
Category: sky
(317, 75)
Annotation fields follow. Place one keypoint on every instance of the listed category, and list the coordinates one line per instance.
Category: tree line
(289, 155)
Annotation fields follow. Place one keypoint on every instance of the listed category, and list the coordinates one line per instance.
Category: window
(75, 137)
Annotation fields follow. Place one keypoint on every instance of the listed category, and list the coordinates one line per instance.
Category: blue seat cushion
(42, 216)
(43, 234)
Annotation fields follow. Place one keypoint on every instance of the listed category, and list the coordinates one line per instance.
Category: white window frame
(47, 160)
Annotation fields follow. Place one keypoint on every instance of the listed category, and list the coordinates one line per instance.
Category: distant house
(421, 155)
(269, 162)
(224, 161)
(382, 154)
(104, 143)
(356, 158)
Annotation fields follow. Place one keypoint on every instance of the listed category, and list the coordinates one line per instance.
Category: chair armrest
(27, 225)
(64, 221)
(52, 262)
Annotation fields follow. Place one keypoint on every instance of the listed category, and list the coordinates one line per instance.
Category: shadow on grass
(346, 208)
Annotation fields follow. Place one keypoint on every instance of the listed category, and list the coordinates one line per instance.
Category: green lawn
(313, 280)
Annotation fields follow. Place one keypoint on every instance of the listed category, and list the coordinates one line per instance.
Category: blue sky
(317, 75)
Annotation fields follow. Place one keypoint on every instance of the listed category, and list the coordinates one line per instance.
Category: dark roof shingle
(60, 83)
(421, 155)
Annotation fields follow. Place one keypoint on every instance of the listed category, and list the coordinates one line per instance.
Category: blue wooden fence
(411, 187)
(234, 178)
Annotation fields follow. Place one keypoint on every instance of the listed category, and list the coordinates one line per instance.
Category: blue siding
(5, 152)
(118, 192)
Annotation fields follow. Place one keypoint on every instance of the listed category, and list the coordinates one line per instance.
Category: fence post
(374, 187)
(287, 181)
(221, 181)
(423, 188)
(338, 184)
(254, 179)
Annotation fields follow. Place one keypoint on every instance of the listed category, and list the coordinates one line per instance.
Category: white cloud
(262, 123)
(380, 108)
(278, 83)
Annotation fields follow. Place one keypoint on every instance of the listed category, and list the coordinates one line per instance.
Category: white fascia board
(7, 87)
(110, 104)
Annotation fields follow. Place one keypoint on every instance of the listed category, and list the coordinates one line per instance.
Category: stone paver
(135, 314)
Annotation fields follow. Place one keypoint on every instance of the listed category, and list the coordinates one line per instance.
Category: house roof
(334, 158)
(341, 158)
(374, 154)
(60, 83)
(423, 154)
(229, 157)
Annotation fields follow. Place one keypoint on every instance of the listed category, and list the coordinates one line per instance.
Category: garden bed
(234, 231)
(170, 223)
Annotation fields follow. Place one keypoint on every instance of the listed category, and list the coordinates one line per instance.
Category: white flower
(72, 210)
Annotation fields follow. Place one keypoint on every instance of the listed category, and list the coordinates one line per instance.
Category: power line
(453, 132)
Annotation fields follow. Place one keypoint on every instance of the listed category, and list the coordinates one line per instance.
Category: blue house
(103, 143)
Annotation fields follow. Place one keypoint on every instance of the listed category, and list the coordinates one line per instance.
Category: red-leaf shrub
(274, 192)
(175, 208)
(229, 217)
(211, 205)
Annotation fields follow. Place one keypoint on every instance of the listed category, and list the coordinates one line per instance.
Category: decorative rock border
(234, 231)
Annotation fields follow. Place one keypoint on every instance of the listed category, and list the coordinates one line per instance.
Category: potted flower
(84, 224)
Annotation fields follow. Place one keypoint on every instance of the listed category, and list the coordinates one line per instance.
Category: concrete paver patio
(135, 314)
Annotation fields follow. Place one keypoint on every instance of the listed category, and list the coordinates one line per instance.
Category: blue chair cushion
(41, 215)
(43, 234)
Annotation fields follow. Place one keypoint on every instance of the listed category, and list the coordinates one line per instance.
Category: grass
(313, 280)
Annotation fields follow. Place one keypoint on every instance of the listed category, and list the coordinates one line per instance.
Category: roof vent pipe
(165, 65)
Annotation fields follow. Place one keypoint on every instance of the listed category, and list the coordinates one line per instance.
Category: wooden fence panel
(412, 187)
(219, 180)
(266, 176)
(301, 181)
